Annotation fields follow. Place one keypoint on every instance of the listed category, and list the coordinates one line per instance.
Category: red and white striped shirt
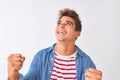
(64, 67)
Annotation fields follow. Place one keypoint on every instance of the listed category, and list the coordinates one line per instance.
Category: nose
(62, 25)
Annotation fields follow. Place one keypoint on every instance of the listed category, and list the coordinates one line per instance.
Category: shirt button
(50, 71)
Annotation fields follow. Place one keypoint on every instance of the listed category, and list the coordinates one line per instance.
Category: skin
(66, 37)
(15, 62)
(93, 74)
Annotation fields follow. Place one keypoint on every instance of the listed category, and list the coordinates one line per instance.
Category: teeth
(61, 32)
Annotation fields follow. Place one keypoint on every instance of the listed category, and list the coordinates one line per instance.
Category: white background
(26, 26)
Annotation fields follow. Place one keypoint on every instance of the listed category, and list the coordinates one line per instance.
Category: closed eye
(59, 22)
(69, 23)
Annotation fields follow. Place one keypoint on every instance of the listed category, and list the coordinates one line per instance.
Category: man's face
(65, 29)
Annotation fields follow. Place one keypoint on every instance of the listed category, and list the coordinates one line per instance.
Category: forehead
(67, 18)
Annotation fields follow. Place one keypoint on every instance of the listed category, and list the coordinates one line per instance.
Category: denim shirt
(43, 62)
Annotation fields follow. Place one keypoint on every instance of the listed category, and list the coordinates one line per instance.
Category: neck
(65, 49)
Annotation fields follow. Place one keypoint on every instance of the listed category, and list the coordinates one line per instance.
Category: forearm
(13, 75)
(19, 77)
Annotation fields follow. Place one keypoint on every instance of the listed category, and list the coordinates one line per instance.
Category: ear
(78, 33)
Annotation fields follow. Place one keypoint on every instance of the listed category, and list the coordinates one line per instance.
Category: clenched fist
(93, 74)
(15, 62)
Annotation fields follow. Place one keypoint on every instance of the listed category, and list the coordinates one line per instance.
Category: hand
(15, 63)
(93, 74)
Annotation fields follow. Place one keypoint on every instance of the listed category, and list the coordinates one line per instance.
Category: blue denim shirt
(43, 62)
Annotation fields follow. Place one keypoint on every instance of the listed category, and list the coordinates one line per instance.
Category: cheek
(57, 27)
(72, 33)
(55, 31)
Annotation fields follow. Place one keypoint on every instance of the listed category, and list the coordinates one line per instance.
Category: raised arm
(15, 62)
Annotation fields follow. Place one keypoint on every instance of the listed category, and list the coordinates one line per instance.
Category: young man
(62, 61)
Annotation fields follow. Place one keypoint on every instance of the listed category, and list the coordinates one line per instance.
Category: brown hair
(71, 13)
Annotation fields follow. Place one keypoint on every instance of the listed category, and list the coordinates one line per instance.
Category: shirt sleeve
(87, 63)
(32, 72)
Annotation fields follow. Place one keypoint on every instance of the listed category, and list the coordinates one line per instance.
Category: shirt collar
(78, 50)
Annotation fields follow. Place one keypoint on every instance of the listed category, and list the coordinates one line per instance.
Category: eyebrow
(66, 21)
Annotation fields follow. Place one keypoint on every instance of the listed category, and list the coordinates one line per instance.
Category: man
(62, 61)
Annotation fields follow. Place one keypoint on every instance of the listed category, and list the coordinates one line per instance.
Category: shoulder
(85, 58)
(81, 53)
(42, 55)
(45, 51)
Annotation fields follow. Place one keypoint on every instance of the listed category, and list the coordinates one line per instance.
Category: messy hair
(71, 13)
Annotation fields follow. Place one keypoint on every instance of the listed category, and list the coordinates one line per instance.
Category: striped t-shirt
(64, 67)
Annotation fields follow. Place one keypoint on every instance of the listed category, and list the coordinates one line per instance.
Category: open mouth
(62, 32)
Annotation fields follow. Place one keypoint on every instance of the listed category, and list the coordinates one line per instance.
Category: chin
(60, 39)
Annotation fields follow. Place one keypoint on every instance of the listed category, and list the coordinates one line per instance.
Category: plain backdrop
(27, 26)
